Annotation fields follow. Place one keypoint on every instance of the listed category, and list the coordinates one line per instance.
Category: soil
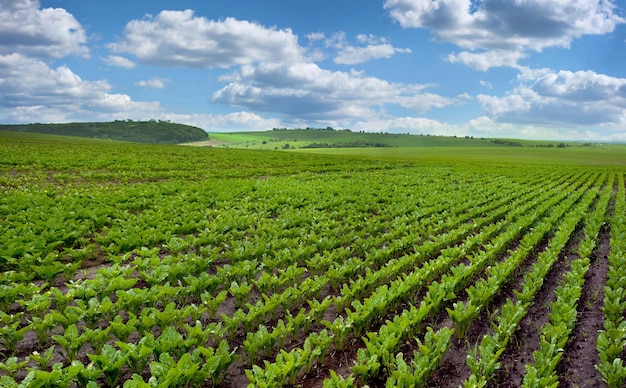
(525, 341)
(577, 367)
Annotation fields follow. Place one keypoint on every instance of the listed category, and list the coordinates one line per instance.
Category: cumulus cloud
(505, 26)
(44, 33)
(229, 122)
(117, 61)
(487, 127)
(32, 91)
(483, 61)
(370, 47)
(548, 97)
(351, 55)
(179, 38)
(305, 90)
(414, 125)
(154, 83)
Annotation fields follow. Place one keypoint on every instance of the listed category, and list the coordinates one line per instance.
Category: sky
(529, 69)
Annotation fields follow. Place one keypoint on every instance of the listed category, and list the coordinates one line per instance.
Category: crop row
(611, 343)
(383, 350)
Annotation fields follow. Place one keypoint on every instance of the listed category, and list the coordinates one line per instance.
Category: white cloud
(374, 47)
(234, 121)
(116, 60)
(564, 98)
(338, 40)
(485, 60)
(307, 91)
(370, 39)
(351, 55)
(48, 32)
(315, 36)
(505, 26)
(34, 92)
(413, 125)
(486, 84)
(154, 83)
(487, 127)
(178, 38)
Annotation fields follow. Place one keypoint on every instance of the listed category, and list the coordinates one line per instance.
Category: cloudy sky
(545, 69)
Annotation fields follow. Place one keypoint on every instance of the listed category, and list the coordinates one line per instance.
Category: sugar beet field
(165, 266)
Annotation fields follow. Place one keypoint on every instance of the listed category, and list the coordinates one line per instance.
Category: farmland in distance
(158, 266)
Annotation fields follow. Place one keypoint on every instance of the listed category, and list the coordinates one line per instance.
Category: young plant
(336, 381)
(42, 328)
(140, 355)
(170, 341)
(10, 332)
(97, 337)
(241, 292)
(341, 329)
(462, 314)
(70, 269)
(110, 362)
(57, 377)
(71, 342)
(213, 302)
(44, 361)
(368, 366)
(37, 305)
(12, 366)
(216, 362)
(87, 375)
(122, 330)
(168, 373)
(257, 344)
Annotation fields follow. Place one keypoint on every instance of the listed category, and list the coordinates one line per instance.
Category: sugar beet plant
(162, 266)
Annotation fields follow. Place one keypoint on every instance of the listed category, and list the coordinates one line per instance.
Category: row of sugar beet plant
(584, 205)
(214, 280)
(611, 342)
(458, 280)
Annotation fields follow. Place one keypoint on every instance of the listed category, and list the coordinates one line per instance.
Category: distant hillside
(152, 131)
(313, 138)
(310, 138)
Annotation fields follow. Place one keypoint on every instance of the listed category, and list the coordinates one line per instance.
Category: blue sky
(537, 69)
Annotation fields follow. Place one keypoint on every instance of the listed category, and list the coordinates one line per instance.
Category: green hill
(152, 131)
(320, 138)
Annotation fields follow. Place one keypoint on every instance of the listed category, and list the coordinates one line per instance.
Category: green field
(605, 155)
(274, 140)
(451, 150)
(426, 262)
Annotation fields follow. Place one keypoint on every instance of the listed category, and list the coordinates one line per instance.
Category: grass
(300, 138)
(437, 149)
(610, 155)
(399, 147)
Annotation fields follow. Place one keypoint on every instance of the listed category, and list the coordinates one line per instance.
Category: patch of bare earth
(207, 143)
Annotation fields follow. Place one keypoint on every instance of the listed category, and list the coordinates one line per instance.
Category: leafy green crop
(152, 266)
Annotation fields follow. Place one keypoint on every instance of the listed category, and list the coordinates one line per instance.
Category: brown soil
(454, 370)
(577, 367)
(525, 341)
